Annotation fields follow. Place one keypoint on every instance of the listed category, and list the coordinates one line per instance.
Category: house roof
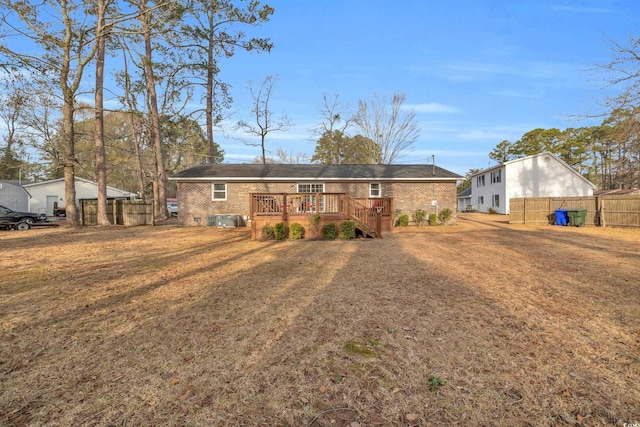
(281, 172)
(77, 178)
(465, 193)
(545, 154)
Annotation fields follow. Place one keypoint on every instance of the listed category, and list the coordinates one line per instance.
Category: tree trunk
(160, 198)
(68, 135)
(209, 96)
(101, 164)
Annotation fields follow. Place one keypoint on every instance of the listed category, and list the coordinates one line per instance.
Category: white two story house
(540, 175)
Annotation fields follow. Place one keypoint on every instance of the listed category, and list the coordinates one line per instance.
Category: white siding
(483, 195)
(540, 175)
(85, 189)
(13, 196)
(544, 176)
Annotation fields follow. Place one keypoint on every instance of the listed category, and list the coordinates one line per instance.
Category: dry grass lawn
(479, 324)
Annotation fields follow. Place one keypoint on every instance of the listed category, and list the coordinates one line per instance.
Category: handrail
(366, 211)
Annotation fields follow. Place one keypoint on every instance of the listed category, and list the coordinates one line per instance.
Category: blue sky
(476, 71)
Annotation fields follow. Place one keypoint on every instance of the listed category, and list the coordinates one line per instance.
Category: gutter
(287, 179)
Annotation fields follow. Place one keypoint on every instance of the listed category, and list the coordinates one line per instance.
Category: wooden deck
(372, 216)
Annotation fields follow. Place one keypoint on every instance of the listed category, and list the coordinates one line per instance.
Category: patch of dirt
(482, 323)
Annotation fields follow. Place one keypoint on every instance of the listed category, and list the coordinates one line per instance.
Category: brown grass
(526, 325)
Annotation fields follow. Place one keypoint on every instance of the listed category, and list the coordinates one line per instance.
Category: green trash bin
(577, 217)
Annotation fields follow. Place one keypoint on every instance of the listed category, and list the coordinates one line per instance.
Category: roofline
(293, 178)
(565, 164)
(79, 179)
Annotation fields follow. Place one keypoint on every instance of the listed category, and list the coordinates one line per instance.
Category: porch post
(284, 207)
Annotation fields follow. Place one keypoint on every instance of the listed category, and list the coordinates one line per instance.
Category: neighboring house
(215, 189)
(464, 200)
(540, 175)
(14, 196)
(47, 195)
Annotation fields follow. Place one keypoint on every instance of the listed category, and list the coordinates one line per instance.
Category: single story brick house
(257, 191)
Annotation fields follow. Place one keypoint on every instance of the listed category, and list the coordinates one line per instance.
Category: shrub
(492, 211)
(347, 230)
(433, 219)
(315, 220)
(419, 216)
(280, 231)
(315, 223)
(445, 215)
(329, 231)
(296, 231)
(396, 214)
(403, 220)
(267, 232)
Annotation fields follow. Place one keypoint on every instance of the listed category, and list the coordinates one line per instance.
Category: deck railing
(367, 211)
(277, 204)
(282, 204)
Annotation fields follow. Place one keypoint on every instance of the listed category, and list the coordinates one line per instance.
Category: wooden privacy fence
(619, 211)
(119, 211)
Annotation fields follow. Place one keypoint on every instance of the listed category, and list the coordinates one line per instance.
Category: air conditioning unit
(224, 221)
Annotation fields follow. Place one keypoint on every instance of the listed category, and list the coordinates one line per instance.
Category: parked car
(172, 207)
(9, 215)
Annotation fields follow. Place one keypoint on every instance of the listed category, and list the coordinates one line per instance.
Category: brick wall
(411, 196)
(195, 199)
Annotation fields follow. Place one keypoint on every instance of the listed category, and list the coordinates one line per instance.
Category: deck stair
(364, 217)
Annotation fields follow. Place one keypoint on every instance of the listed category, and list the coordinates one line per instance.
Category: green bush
(296, 231)
(403, 220)
(419, 216)
(315, 220)
(445, 215)
(268, 232)
(433, 219)
(347, 230)
(280, 231)
(329, 231)
(396, 214)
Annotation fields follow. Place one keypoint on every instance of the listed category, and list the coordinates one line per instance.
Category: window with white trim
(310, 188)
(480, 181)
(496, 201)
(481, 200)
(309, 201)
(219, 191)
(375, 189)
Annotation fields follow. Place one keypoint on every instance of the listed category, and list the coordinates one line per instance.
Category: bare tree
(263, 123)
(624, 72)
(389, 128)
(335, 120)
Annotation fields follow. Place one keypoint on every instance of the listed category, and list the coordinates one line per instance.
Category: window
(309, 201)
(375, 190)
(495, 202)
(480, 181)
(496, 176)
(481, 200)
(219, 191)
(310, 188)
